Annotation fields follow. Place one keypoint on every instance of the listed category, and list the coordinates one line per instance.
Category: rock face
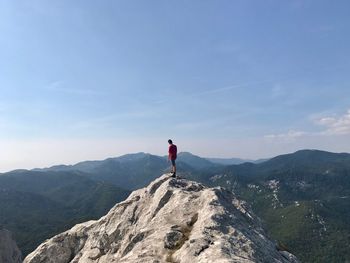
(9, 252)
(171, 220)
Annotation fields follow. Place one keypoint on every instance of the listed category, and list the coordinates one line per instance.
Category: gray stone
(171, 220)
(9, 252)
(173, 239)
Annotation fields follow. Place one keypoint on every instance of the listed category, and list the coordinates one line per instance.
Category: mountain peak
(171, 220)
(194, 160)
(306, 157)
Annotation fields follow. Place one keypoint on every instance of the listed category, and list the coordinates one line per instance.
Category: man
(172, 157)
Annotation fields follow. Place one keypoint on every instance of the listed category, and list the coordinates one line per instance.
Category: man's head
(170, 141)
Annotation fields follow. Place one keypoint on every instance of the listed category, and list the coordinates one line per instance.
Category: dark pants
(174, 166)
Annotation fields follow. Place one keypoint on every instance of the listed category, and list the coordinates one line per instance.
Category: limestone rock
(171, 220)
(9, 252)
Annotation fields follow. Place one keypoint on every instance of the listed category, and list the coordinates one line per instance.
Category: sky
(85, 80)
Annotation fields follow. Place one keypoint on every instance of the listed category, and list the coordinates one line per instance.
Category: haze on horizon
(84, 80)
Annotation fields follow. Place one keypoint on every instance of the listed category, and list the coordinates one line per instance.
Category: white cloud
(289, 135)
(335, 125)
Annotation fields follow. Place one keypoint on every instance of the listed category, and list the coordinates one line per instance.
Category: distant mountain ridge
(307, 190)
(34, 205)
(185, 157)
(302, 197)
(234, 161)
(87, 166)
(194, 160)
(128, 171)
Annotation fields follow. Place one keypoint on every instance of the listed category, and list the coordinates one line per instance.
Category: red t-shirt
(172, 152)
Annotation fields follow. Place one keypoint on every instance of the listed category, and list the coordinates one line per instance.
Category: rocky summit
(171, 220)
(9, 252)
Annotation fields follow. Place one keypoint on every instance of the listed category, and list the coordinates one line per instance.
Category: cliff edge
(171, 220)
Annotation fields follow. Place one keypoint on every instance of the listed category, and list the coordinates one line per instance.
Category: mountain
(308, 191)
(32, 218)
(9, 252)
(129, 171)
(171, 220)
(194, 161)
(234, 161)
(37, 205)
(228, 161)
(303, 197)
(72, 189)
(53, 199)
(90, 166)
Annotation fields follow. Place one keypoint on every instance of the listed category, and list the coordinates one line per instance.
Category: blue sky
(93, 79)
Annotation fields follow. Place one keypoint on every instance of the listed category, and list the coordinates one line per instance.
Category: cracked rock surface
(171, 220)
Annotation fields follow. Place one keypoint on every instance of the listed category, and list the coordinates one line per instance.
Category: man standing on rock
(172, 157)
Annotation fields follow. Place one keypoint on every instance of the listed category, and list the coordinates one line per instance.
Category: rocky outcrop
(9, 252)
(171, 220)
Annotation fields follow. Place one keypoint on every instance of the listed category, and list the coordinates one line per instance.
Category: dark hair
(170, 141)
